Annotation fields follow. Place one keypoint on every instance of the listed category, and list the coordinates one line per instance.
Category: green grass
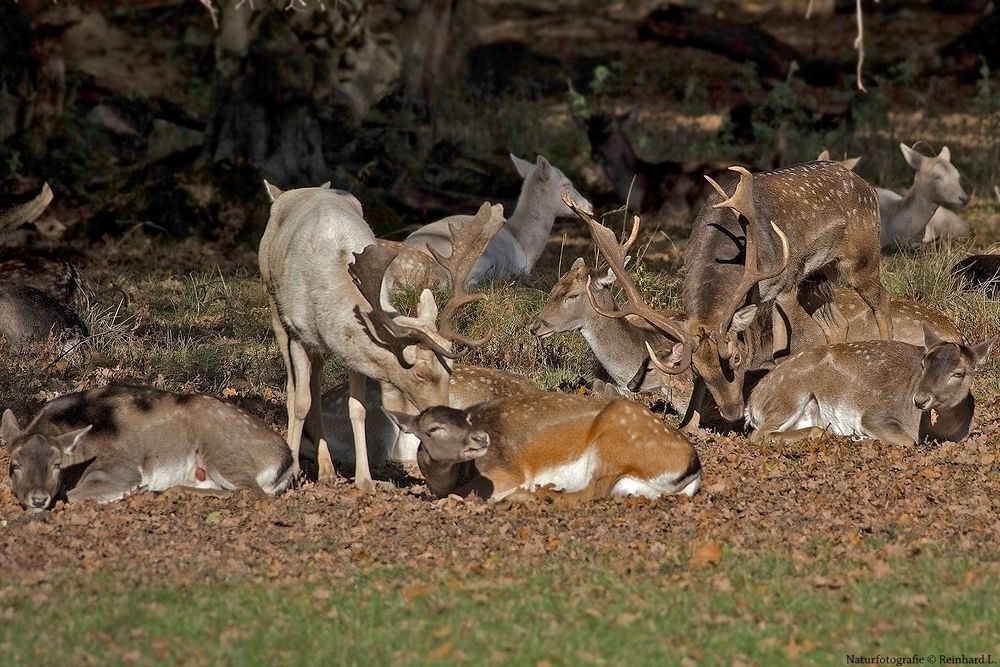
(758, 608)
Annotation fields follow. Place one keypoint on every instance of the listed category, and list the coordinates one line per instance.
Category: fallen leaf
(707, 554)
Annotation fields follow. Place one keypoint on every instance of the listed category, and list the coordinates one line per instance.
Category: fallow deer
(517, 247)
(468, 385)
(908, 219)
(28, 314)
(823, 219)
(892, 391)
(324, 274)
(583, 447)
(104, 444)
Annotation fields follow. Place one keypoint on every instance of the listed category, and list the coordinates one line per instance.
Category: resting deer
(28, 314)
(517, 247)
(469, 385)
(618, 344)
(104, 444)
(977, 272)
(823, 218)
(324, 277)
(910, 219)
(587, 448)
(892, 391)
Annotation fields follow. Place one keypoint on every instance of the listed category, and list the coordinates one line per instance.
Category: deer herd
(784, 326)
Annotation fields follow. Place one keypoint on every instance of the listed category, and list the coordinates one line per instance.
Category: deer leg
(104, 486)
(692, 416)
(357, 411)
(887, 429)
(314, 420)
(299, 395)
(864, 278)
(283, 345)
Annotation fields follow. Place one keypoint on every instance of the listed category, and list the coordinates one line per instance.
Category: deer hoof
(366, 485)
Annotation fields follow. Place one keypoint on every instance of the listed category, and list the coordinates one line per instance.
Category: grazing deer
(104, 444)
(907, 220)
(618, 344)
(324, 277)
(28, 314)
(587, 448)
(517, 247)
(824, 219)
(892, 391)
(977, 272)
(469, 385)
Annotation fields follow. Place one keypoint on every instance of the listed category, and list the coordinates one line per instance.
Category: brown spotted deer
(892, 391)
(918, 216)
(580, 446)
(104, 444)
(323, 273)
(468, 385)
(516, 248)
(821, 218)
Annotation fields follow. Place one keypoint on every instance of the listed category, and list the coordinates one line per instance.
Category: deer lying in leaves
(104, 444)
(582, 447)
(895, 392)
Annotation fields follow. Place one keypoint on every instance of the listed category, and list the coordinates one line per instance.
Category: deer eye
(958, 374)
(574, 295)
(434, 429)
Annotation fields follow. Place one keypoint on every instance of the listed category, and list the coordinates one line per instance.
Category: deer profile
(515, 249)
(323, 273)
(892, 391)
(822, 218)
(580, 446)
(117, 440)
(918, 216)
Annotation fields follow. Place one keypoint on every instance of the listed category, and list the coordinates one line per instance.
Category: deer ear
(743, 317)
(606, 280)
(851, 162)
(945, 154)
(542, 168)
(427, 310)
(68, 442)
(9, 429)
(912, 157)
(980, 351)
(930, 338)
(824, 155)
(523, 166)
(578, 264)
(325, 186)
(406, 423)
(272, 190)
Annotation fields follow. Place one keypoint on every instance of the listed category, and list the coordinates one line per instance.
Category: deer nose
(39, 500)
(963, 200)
(922, 401)
(481, 438)
(537, 327)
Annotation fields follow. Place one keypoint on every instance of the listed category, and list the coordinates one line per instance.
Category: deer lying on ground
(583, 447)
(104, 444)
(27, 314)
(895, 392)
(917, 216)
(324, 277)
(517, 247)
(469, 385)
(823, 218)
(978, 272)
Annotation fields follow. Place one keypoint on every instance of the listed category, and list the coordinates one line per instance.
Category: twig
(212, 10)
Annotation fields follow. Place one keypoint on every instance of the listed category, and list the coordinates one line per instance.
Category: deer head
(936, 176)
(36, 462)
(946, 376)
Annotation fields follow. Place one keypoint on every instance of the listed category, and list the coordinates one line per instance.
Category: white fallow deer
(469, 385)
(892, 391)
(517, 247)
(579, 446)
(324, 274)
(104, 444)
(919, 216)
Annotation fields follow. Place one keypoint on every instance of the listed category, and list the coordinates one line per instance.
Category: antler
(468, 243)
(368, 271)
(614, 254)
(26, 212)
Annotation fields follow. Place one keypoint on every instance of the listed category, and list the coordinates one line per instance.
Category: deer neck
(952, 424)
(531, 222)
(617, 345)
(444, 478)
(909, 216)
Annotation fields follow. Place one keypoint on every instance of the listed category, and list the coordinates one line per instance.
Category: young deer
(892, 391)
(104, 444)
(517, 247)
(324, 277)
(823, 218)
(469, 385)
(587, 448)
(909, 219)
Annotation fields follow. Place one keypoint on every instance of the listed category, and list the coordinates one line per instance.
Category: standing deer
(468, 385)
(583, 447)
(517, 247)
(107, 443)
(824, 218)
(918, 216)
(892, 391)
(324, 277)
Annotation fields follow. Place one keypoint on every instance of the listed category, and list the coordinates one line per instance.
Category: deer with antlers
(324, 277)
(821, 218)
